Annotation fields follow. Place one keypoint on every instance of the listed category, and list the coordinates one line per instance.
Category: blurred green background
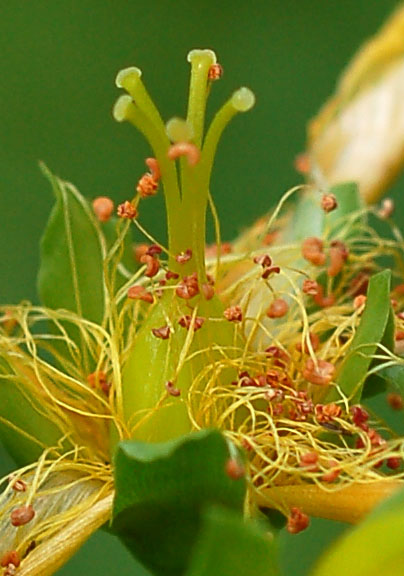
(57, 69)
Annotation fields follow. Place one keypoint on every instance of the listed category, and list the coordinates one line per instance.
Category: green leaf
(349, 202)
(228, 545)
(71, 269)
(371, 331)
(394, 375)
(375, 547)
(161, 490)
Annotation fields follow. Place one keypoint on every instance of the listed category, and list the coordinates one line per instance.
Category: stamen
(103, 208)
(233, 314)
(163, 333)
(140, 293)
(320, 373)
(184, 149)
(297, 521)
(127, 210)
(329, 203)
(147, 186)
(154, 168)
(21, 516)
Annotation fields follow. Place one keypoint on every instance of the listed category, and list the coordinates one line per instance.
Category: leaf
(161, 490)
(371, 330)
(71, 269)
(227, 545)
(375, 547)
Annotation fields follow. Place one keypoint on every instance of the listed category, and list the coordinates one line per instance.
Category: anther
(139, 250)
(234, 469)
(103, 208)
(207, 290)
(393, 463)
(170, 275)
(127, 210)
(147, 186)
(302, 163)
(21, 516)
(233, 314)
(10, 557)
(329, 202)
(360, 416)
(314, 340)
(263, 260)
(154, 250)
(297, 521)
(186, 321)
(278, 308)
(171, 389)
(140, 293)
(184, 257)
(338, 256)
(395, 401)
(312, 250)
(269, 271)
(152, 265)
(154, 168)
(359, 301)
(188, 287)
(320, 374)
(18, 485)
(310, 287)
(309, 461)
(99, 379)
(215, 72)
(184, 149)
(327, 412)
(333, 473)
(163, 333)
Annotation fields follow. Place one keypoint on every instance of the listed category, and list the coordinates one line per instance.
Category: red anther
(314, 340)
(387, 209)
(154, 168)
(312, 250)
(329, 202)
(359, 416)
(185, 256)
(274, 395)
(171, 389)
(246, 380)
(207, 290)
(324, 301)
(103, 208)
(99, 380)
(327, 412)
(17, 485)
(233, 314)
(140, 293)
(188, 287)
(127, 210)
(10, 557)
(152, 265)
(234, 469)
(311, 287)
(140, 250)
(320, 374)
(263, 260)
(297, 521)
(22, 515)
(271, 270)
(375, 438)
(164, 332)
(154, 250)
(399, 335)
(302, 163)
(147, 186)
(280, 355)
(395, 401)
(170, 275)
(359, 301)
(338, 256)
(393, 462)
(309, 461)
(333, 473)
(278, 308)
(184, 149)
(215, 72)
(186, 321)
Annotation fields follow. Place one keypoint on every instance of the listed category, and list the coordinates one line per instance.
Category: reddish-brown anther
(338, 256)
(246, 380)
(233, 314)
(312, 250)
(207, 290)
(278, 308)
(186, 321)
(310, 287)
(152, 265)
(329, 202)
(314, 340)
(147, 186)
(327, 412)
(184, 257)
(359, 416)
(263, 260)
(140, 293)
(154, 250)
(172, 390)
(99, 380)
(375, 438)
(163, 333)
(269, 271)
(297, 521)
(333, 473)
(127, 210)
(393, 462)
(309, 461)
(10, 557)
(154, 168)
(103, 208)
(21, 516)
(184, 149)
(281, 356)
(234, 469)
(320, 374)
(302, 163)
(395, 401)
(359, 301)
(170, 275)
(140, 250)
(215, 72)
(188, 287)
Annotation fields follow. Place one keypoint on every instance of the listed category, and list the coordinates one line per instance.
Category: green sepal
(228, 545)
(162, 490)
(370, 333)
(375, 547)
(71, 266)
